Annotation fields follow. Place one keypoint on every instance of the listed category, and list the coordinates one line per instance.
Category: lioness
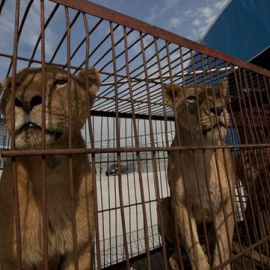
(201, 182)
(28, 135)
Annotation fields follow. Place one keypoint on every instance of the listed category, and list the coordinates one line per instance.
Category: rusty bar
(231, 196)
(134, 124)
(118, 154)
(170, 175)
(43, 158)
(70, 158)
(13, 146)
(194, 160)
(151, 135)
(136, 143)
(205, 165)
(157, 189)
(87, 46)
(75, 151)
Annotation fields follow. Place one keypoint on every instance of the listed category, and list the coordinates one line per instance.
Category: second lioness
(201, 182)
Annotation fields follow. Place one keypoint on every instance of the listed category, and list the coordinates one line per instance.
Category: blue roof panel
(242, 29)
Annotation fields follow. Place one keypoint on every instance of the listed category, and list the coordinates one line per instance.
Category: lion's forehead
(38, 77)
(203, 92)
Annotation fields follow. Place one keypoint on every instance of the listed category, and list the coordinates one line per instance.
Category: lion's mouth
(220, 124)
(32, 126)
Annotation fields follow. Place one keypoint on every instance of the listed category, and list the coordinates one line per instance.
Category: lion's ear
(173, 94)
(93, 80)
(223, 87)
(5, 84)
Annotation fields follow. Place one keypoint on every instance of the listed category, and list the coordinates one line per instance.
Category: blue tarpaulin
(242, 29)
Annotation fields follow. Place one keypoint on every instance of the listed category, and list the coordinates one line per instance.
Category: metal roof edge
(258, 53)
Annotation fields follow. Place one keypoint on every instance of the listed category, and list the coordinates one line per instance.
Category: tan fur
(202, 120)
(28, 108)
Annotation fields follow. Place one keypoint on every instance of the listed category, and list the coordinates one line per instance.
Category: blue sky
(188, 18)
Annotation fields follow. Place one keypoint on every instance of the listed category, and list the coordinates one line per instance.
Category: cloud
(196, 22)
(206, 12)
(153, 14)
(157, 12)
(174, 22)
(188, 12)
(220, 4)
(171, 3)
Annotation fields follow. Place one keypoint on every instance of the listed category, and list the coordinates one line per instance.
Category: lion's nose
(28, 102)
(217, 110)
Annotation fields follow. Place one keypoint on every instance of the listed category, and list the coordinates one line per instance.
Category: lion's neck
(56, 169)
(197, 138)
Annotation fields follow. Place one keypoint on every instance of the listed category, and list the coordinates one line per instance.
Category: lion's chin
(31, 138)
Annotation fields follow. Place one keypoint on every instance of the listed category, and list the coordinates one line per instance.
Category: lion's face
(199, 106)
(29, 105)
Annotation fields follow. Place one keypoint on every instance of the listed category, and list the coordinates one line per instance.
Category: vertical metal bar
(13, 146)
(109, 193)
(176, 136)
(204, 158)
(151, 134)
(157, 189)
(70, 157)
(134, 123)
(226, 166)
(118, 154)
(43, 158)
(87, 53)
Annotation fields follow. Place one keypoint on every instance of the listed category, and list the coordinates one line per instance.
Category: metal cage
(130, 129)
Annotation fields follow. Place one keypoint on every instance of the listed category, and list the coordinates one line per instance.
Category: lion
(60, 91)
(201, 181)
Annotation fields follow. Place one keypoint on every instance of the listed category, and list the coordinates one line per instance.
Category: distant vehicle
(113, 169)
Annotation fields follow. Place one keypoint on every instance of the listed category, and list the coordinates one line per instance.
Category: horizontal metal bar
(77, 151)
(117, 17)
(130, 116)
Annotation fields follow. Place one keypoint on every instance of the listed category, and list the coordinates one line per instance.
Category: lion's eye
(61, 81)
(17, 84)
(191, 99)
